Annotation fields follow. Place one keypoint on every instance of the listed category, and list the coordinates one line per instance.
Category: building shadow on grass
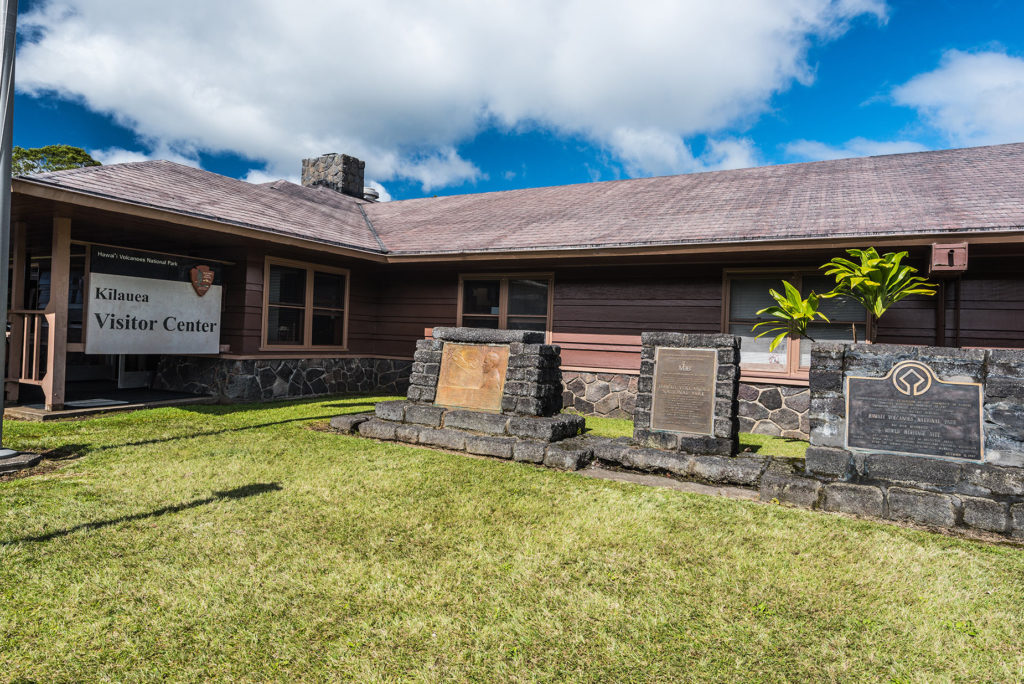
(340, 401)
(81, 449)
(242, 492)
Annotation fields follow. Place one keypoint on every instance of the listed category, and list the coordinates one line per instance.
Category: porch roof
(280, 207)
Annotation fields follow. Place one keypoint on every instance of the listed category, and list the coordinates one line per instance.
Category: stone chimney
(339, 172)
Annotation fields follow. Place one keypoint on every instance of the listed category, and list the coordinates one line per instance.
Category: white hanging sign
(150, 303)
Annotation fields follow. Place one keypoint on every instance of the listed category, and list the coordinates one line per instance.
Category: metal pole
(10, 19)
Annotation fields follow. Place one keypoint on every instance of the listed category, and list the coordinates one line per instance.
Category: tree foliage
(25, 162)
(878, 281)
(792, 315)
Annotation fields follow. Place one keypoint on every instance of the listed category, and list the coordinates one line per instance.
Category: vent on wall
(948, 259)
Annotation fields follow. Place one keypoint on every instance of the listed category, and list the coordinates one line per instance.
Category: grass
(234, 543)
(773, 446)
(762, 444)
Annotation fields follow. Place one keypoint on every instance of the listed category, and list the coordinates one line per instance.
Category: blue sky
(445, 98)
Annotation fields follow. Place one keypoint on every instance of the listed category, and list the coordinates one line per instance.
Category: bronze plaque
(910, 411)
(472, 376)
(683, 396)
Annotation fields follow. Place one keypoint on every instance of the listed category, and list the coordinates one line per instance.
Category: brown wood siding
(599, 313)
(244, 322)
(991, 309)
(991, 313)
(409, 302)
(235, 322)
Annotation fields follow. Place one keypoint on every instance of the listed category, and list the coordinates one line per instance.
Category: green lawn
(761, 444)
(234, 543)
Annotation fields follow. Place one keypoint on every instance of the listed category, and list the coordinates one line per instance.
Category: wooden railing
(27, 360)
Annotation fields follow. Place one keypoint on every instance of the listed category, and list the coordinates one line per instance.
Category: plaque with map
(911, 411)
(683, 395)
(472, 376)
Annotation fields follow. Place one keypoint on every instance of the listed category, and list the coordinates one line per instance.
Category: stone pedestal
(487, 392)
(687, 393)
(530, 379)
(931, 435)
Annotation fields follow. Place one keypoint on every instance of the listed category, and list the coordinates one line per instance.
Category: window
(304, 307)
(748, 293)
(518, 302)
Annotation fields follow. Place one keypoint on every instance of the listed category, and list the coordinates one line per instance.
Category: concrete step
(16, 462)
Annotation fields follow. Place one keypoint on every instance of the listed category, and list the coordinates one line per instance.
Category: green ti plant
(792, 315)
(878, 281)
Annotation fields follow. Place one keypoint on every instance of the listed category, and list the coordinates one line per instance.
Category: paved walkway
(669, 483)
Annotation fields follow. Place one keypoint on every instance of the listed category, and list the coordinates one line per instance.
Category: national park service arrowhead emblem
(202, 279)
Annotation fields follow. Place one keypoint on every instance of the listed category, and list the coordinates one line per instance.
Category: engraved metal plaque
(472, 376)
(910, 411)
(683, 396)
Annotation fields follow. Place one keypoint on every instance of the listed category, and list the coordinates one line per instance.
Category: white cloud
(118, 155)
(812, 150)
(971, 98)
(400, 84)
(382, 193)
(656, 152)
(438, 169)
(258, 176)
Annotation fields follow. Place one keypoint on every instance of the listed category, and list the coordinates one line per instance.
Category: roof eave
(1001, 235)
(37, 188)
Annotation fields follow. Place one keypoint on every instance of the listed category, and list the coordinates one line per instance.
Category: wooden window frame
(502, 314)
(793, 373)
(307, 307)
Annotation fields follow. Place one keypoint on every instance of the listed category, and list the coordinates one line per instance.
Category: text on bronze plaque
(910, 411)
(683, 395)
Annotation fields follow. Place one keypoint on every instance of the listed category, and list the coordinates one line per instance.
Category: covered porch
(47, 368)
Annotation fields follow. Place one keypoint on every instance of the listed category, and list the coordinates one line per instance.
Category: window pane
(481, 297)
(328, 290)
(284, 326)
(527, 297)
(836, 308)
(524, 323)
(822, 332)
(750, 295)
(480, 322)
(328, 328)
(287, 285)
(755, 351)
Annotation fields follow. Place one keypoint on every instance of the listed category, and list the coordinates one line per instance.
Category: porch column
(17, 338)
(57, 314)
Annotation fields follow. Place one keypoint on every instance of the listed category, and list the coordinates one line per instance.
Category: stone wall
(945, 492)
(611, 395)
(779, 410)
(985, 495)
(263, 379)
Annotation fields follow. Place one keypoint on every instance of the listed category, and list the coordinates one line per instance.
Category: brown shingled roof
(281, 207)
(979, 188)
(924, 193)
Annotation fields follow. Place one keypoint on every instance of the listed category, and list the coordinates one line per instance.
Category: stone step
(11, 464)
